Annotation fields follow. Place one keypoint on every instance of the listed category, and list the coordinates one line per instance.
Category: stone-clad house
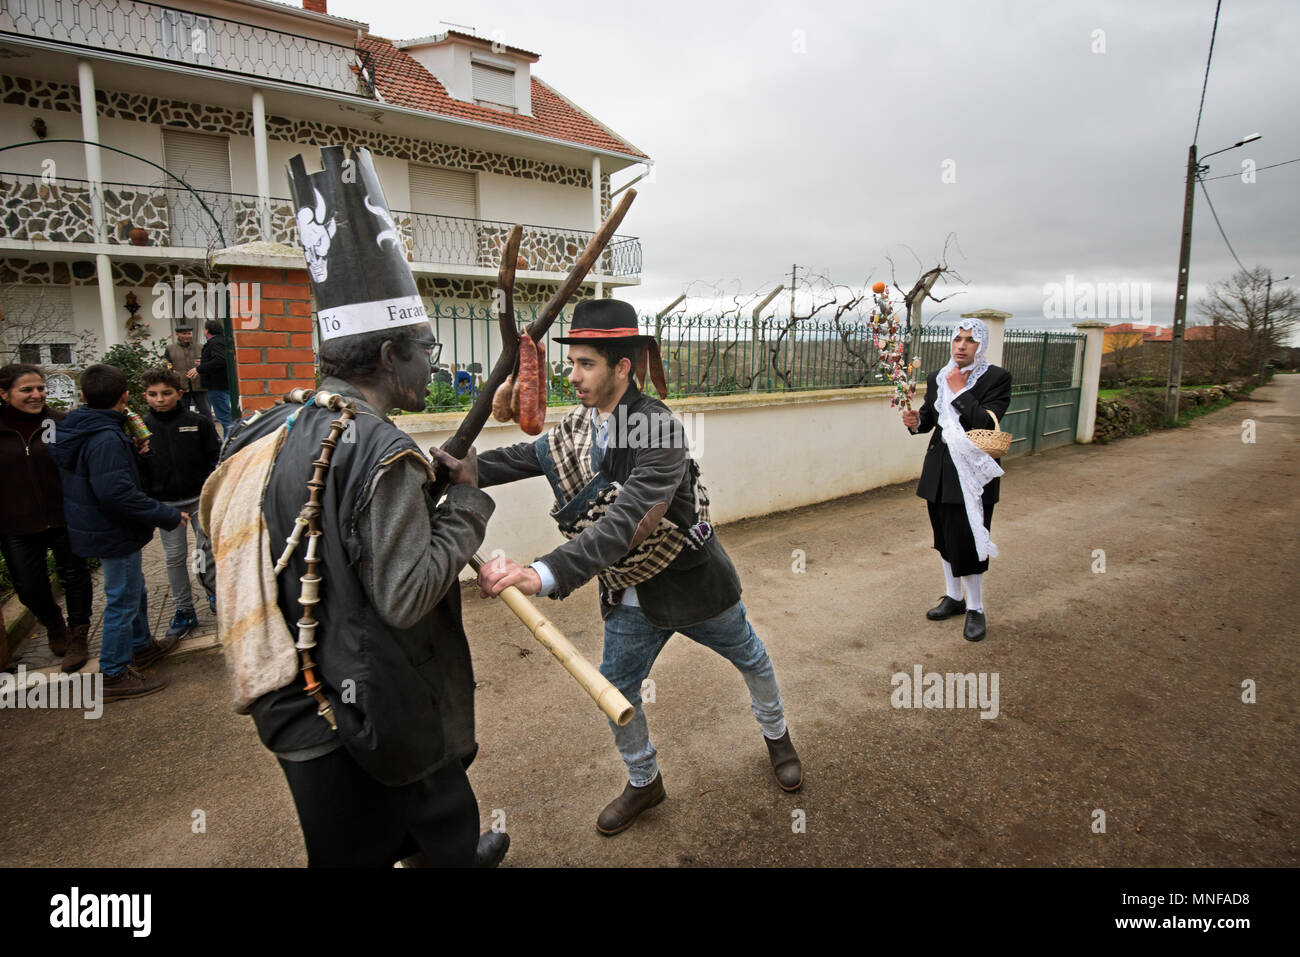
(466, 140)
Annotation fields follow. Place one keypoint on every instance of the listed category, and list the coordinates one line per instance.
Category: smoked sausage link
(543, 381)
(530, 407)
(514, 399)
(501, 400)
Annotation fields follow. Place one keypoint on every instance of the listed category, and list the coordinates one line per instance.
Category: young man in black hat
(648, 540)
(380, 774)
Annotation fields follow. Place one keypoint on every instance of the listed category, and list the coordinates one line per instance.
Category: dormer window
(494, 87)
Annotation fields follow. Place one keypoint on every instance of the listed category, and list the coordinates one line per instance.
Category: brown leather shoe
(131, 684)
(78, 652)
(57, 635)
(160, 649)
(627, 807)
(785, 762)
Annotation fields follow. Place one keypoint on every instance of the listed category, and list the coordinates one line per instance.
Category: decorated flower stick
(890, 336)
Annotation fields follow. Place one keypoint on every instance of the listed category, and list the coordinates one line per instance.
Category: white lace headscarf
(975, 467)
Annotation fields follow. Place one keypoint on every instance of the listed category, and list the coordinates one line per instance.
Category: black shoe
(946, 608)
(492, 847)
(974, 630)
(785, 762)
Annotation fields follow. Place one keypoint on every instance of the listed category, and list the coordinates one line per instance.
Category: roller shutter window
(438, 195)
(38, 325)
(203, 161)
(493, 86)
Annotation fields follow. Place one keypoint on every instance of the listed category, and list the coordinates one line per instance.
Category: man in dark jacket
(960, 482)
(184, 450)
(661, 567)
(211, 372)
(183, 355)
(110, 518)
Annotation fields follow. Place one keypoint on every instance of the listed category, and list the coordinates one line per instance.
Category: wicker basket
(993, 441)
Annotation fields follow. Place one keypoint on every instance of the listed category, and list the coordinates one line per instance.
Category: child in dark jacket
(109, 517)
(184, 449)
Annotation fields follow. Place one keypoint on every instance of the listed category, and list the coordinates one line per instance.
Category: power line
(1220, 225)
(1208, 179)
(1206, 81)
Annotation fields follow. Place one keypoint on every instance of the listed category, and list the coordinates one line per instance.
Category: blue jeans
(126, 613)
(220, 400)
(632, 644)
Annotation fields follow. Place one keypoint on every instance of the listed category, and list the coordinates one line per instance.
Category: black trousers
(25, 556)
(953, 537)
(351, 820)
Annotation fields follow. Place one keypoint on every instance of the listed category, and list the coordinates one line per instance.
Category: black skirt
(953, 538)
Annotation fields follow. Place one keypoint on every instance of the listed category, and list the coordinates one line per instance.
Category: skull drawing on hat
(316, 232)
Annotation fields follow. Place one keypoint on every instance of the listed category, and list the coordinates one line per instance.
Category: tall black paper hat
(359, 274)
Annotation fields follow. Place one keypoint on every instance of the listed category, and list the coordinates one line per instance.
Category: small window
(60, 353)
(30, 352)
(494, 87)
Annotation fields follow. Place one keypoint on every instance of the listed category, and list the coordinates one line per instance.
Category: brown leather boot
(57, 635)
(785, 762)
(627, 807)
(131, 684)
(78, 652)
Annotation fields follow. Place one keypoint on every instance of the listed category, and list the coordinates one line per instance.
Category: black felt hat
(603, 320)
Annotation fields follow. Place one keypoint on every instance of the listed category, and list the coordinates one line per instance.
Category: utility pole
(1180, 300)
(1194, 170)
(1263, 328)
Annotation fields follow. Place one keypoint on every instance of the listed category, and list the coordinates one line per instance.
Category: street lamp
(1263, 328)
(1194, 170)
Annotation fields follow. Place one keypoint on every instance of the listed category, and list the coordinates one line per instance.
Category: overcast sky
(820, 134)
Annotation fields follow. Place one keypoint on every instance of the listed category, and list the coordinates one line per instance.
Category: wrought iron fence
(61, 210)
(1042, 360)
(160, 32)
(702, 355)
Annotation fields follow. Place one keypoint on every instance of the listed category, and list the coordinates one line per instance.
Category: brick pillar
(273, 348)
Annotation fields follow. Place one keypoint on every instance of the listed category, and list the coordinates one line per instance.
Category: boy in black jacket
(185, 450)
(110, 518)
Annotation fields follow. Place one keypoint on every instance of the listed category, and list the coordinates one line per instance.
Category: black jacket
(31, 496)
(699, 584)
(185, 449)
(992, 391)
(212, 364)
(108, 513)
(403, 696)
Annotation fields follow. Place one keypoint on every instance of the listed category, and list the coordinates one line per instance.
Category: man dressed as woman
(31, 516)
(959, 481)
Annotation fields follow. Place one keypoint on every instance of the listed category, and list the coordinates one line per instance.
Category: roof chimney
(315, 6)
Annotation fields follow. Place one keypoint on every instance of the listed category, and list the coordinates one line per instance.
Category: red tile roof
(1125, 327)
(1192, 334)
(403, 81)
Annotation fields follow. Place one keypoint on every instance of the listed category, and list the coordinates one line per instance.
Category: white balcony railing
(157, 32)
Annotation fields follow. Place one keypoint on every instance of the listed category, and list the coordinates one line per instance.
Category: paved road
(1119, 691)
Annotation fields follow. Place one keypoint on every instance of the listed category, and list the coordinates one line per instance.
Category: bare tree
(1237, 305)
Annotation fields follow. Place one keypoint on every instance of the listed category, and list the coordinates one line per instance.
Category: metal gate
(1046, 377)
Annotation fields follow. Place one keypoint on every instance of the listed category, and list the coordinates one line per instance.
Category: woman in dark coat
(31, 516)
(960, 482)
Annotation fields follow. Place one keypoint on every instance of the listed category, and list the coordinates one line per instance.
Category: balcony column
(263, 168)
(596, 217)
(95, 176)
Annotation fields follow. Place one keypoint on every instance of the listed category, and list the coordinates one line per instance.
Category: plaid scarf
(570, 445)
